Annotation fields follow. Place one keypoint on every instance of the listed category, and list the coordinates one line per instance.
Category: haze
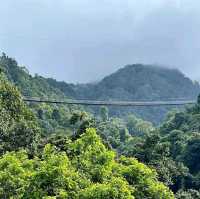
(84, 40)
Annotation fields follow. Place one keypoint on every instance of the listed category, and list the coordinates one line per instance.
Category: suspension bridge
(177, 102)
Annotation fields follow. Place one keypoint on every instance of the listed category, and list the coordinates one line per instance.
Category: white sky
(84, 40)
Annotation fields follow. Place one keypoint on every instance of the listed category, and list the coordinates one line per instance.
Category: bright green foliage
(15, 172)
(117, 188)
(50, 176)
(55, 176)
(143, 179)
(91, 171)
(92, 157)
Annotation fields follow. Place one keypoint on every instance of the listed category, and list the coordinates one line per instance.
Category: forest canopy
(84, 168)
(51, 151)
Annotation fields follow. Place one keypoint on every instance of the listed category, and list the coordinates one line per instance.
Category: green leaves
(117, 188)
(19, 128)
(15, 172)
(89, 172)
(52, 176)
(82, 168)
(97, 161)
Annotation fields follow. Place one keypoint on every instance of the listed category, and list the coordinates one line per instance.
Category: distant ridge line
(111, 103)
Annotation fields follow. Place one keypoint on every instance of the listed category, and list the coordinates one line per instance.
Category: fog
(84, 40)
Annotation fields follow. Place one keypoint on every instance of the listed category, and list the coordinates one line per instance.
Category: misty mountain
(136, 82)
(142, 82)
(132, 82)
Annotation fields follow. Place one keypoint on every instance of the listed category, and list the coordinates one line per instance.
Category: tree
(198, 100)
(138, 126)
(178, 141)
(56, 115)
(139, 176)
(192, 154)
(51, 176)
(124, 134)
(86, 170)
(190, 194)
(40, 114)
(117, 188)
(20, 129)
(90, 156)
(104, 113)
(15, 171)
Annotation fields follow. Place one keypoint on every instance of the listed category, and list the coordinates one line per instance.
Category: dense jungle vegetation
(51, 151)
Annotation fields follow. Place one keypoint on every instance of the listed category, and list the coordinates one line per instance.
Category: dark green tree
(104, 113)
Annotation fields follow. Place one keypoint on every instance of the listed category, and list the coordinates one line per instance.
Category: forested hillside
(28, 85)
(145, 82)
(57, 151)
(173, 149)
(137, 82)
(133, 82)
(33, 165)
(68, 119)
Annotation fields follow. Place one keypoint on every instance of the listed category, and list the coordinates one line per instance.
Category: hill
(136, 82)
(146, 82)
(36, 166)
(57, 136)
(28, 85)
(63, 119)
(133, 82)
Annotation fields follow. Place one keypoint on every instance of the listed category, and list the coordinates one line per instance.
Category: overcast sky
(84, 40)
